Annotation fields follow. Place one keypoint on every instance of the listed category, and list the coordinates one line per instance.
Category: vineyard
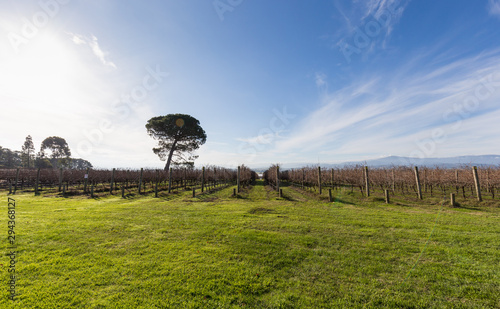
(100, 181)
(464, 182)
(226, 250)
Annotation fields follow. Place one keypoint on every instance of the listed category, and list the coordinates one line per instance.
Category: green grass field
(251, 251)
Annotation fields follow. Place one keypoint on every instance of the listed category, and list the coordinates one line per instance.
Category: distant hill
(450, 162)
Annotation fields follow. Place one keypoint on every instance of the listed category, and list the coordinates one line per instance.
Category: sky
(282, 81)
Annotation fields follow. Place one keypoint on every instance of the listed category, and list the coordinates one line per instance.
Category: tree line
(54, 153)
(178, 137)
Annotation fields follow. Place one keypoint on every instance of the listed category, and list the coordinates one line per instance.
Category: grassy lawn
(250, 251)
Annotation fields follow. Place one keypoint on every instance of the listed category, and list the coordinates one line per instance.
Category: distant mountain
(451, 162)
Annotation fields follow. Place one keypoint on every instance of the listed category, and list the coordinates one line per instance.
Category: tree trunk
(169, 160)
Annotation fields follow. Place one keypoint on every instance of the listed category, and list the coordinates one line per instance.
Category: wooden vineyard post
(238, 179)
(185, 179)
(170, 180)
(37, 181)
(417, 179)
(194, 192)
(215, 178)
(156, 183)
(123, 190)
(488, 187)
(393, 182)
(425, 179)
(277, 178)
(333, 179)
(140, 180)
(85, 180)
(92, 190)
(452, 199)
(60, 178)
(17, 179)
(319, 179)
(281, 193)
(112, 181)
(330, 198)
(476, 182)
(202, 179)
(367, 182)
(387, 201)
(303, 178)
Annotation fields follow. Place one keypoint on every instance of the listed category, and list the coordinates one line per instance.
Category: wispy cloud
(392, 9)
(94, 45)
(368, 25)
(427, 112)
(100, 53)
(387, 12)
(264, 139)
(342, 12)
(78, 40)
(320, 79)
(494, 7)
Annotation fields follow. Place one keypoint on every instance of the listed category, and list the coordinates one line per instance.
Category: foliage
(79, 164)
(59, 151)
(178, 136)
(54, 152)
(41, 162)
(9, 158)
(28, 152)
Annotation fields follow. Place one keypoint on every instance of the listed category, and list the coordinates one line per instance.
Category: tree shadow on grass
(289, 198)
(240, 197)
(460, 206)
(400, 204)
(127, 196)
(339, 200)
(260, 210)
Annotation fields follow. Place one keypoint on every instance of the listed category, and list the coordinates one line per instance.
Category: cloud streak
(320, 79)
(494, 7)
(264, 139)
(375, 19)
(94, 46)
(400, 115)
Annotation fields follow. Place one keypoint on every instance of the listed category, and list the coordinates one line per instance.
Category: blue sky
(270, 81)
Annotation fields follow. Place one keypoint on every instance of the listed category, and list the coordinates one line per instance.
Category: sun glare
(42, 71)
